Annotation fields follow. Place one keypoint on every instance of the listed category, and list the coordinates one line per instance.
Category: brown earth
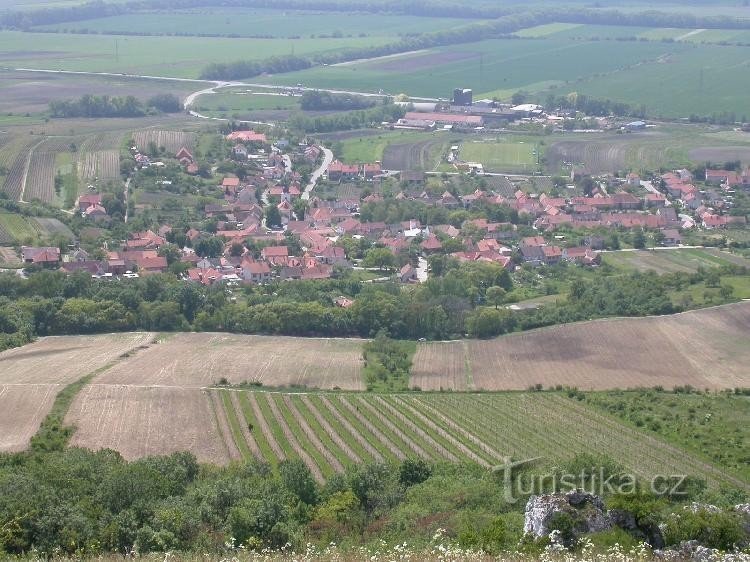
(721, 154)
(706, 349)
(139, 421)
(411, 156)
(198, 360)
(31, 376)
(421, 62)
(31, 92)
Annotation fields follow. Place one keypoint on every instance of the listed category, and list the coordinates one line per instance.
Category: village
(268, 223)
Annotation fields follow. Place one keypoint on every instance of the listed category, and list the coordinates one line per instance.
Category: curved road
(319, 171)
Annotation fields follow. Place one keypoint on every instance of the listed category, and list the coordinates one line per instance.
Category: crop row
(332, 431)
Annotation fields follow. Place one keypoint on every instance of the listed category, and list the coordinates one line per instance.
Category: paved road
(319, 171)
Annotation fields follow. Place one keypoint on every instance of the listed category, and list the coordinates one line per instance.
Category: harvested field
(721, 154)
(172, 141)
(64, 359)
(421, 61)
(33, 91)
(31, 376)
(197, 360)
(707, 348)
(332, 431)
(22, 409)
(139, 421)
(423, 155)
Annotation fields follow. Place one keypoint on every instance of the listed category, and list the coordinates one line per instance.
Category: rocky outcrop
(585, 514)
(693, 551)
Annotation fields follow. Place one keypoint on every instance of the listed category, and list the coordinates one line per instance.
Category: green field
(332, 431)
(17, 229)
(180, 57)
(485, 66)
(256, 22)
(618, 70)
(713, 426)
(243, 102)
(609, 32)
(371, 147)
(668, 261)
(503, 156)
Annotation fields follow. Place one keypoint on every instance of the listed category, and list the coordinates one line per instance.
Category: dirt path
(335, 437)
(26, 169)
(350, 428)
(311, 435)
(396, 431)
(249, 439)
(307, 459)
(442, 451)
(277, 450)
(372, 429)
(444, 434)
(224, 429)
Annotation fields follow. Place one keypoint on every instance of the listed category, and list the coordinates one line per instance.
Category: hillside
(707, 348)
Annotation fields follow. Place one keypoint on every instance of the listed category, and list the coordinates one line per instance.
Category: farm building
(462, 96)
(40, 255)
(338, 171)
(461, 121)
(635, 126)
(246, 136)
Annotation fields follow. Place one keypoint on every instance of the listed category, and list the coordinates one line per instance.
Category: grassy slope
(713, 426)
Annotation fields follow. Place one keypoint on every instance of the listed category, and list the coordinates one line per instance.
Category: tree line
(345, 121)
(315, 100)
(114, 106)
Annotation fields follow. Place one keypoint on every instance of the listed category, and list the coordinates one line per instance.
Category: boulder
(585, 510)
(587, 515)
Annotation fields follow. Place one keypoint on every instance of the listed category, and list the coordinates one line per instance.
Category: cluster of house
(709, 206)
(240, 217)
(338, 171)
(90, 206)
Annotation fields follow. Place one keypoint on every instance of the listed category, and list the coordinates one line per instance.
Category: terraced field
(330, 431)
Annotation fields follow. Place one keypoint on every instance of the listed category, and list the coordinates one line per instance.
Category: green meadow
(257, 22)
(178, 57)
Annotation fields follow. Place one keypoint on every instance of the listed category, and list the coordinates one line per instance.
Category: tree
(166, 103)
(381, 258)
(273, 217)
(413, 471)
(211, 247)
(298, 479)
(519, 97)
(639, 239)
(495, 295)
